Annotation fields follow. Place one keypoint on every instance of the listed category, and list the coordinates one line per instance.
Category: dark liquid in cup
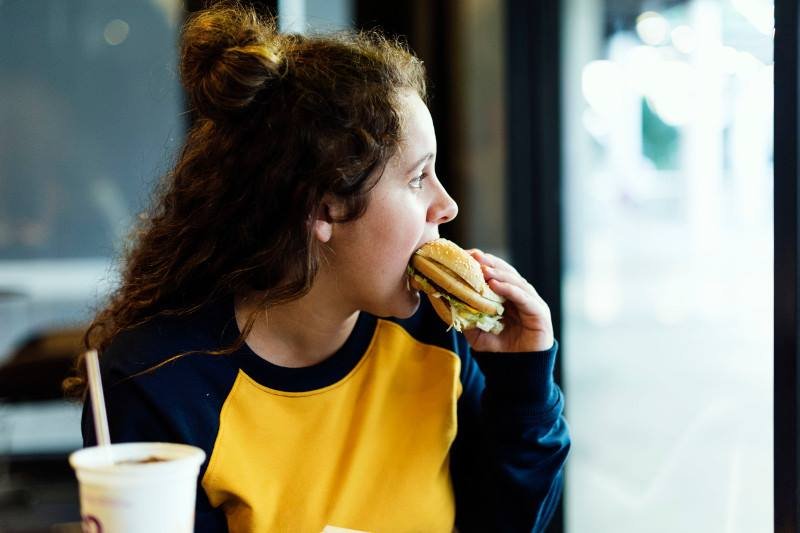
(146, 460)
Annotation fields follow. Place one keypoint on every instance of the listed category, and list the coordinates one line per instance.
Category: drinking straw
(98, 403)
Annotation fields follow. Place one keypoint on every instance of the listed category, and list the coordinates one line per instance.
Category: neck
(299, 333)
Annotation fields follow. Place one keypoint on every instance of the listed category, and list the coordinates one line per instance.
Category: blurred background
(619, 152)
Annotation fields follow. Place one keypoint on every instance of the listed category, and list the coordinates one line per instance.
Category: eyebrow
(423, 159)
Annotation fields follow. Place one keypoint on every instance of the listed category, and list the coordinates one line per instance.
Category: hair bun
(227, 57)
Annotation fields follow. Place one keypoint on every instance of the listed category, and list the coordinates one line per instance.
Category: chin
(400, 306)
(408, 310)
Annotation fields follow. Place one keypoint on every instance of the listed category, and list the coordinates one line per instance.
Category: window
(91, 114)
(668, 277)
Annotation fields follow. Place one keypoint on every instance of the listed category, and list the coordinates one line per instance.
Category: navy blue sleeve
(136, 412)
(133, 419)
(508, 457)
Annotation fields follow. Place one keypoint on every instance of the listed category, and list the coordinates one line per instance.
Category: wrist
(519, 378)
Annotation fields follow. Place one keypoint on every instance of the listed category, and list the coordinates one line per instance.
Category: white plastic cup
(132, 497)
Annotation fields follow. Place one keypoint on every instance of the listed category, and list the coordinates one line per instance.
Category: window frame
(786, 370)
(534, 174)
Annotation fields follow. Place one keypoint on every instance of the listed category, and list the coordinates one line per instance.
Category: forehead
(417, 134)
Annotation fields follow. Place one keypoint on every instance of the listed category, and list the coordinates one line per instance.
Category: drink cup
(149, 487)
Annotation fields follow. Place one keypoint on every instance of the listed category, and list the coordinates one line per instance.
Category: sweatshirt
(402, 429)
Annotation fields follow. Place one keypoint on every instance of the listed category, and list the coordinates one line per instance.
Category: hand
(527, 321)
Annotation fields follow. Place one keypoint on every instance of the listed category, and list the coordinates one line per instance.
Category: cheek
(392, 226)
(396, 236)
(399, 218)
(404, 230)
(391, 250)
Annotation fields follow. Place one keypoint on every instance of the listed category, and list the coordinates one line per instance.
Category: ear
(324, 219)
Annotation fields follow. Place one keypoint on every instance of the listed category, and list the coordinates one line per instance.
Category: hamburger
(453, 282)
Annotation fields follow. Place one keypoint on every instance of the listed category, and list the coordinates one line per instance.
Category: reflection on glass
(668, 281)
(90, 115)
(90, 110)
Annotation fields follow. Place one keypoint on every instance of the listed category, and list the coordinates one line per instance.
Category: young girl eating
(264, 313)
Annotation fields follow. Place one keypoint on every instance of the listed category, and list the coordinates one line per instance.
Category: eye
(416, 182)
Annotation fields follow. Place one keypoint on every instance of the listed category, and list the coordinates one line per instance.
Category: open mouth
(410, 287)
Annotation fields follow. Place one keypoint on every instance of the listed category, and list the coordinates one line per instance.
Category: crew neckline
(301, 379)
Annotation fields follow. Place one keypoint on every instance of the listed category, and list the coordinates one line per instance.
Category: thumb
(481, 341)
(472, 336)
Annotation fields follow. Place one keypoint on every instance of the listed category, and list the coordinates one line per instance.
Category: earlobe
(323, 230)
(323, 223)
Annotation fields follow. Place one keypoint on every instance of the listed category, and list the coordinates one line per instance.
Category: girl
(264, 314)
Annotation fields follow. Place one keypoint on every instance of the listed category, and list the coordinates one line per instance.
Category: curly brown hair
(281, 121)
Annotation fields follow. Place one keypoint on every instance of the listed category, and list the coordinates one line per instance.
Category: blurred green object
(660, 141)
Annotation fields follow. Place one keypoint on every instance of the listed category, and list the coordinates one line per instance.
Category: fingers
(482, 257)
(495, 268)
(523, 298)
(490, 260)
(507, 276)
(528, 320)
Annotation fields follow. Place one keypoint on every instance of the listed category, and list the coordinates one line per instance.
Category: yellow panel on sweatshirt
(369, 452)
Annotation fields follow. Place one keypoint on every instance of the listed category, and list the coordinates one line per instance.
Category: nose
(443, 208)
